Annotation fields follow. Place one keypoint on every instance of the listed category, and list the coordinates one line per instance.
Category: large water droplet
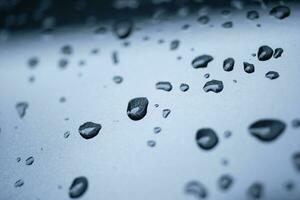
(280, 12)
(228, 64)
(123, 28)
(264, 53)
(255, 191)
(278, 52)
(201, 61)
(78, 187)
(89, 130)
(206, 138)
(213, 86)
(164, 85)
(29, 161)
(196, 189)
(225, 182)
(296, 161)
(248, 67)
(272, 75)
(137, 108)
(21, 108)
(267, 130)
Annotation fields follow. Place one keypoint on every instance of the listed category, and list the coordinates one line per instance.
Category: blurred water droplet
(19, 183)
(62, 99)
(296, 161)
(267, 130)
(33, 62)
(123, 28)
(280, 12)
(296, 123)
(196, 189)
(203, 19)
(151, 143)
(67, 50)
(252, 15)
(264, 53)
(184, 87)
(62, 63)
(174, 44)
(227, 134)
(89, 130)
(213, 86)
(225, 182)
(255, 191)
(227, 24)
(78, 187)
(29, 161)
(118, 79)
(201, 61)
(228, 64)
(272, 75)
(137, 108)
(248, 67)
(166, 112)
(206, 138)
(156, 130)
(278, 52)
(164, 85)
(21, 108)
(289, 186)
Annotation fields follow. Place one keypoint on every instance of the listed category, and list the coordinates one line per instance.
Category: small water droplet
(278, 52)
(184, 87)
(272, 75)
(89, 130)
(289, 185)
(33, 62)
(21, 108)
(264, 53)
(296, 123)
(67, 134)
(78, 187)
(203, 19)
(228, 64)
(280, 12)
(227, 134)
(296, 161)
(29, 161)
(62, 63)
(164, 85)
(196, 189)
(137, 108)
(174, 44)
(151, 143)
(18, 159)
(67, 50)
(62, 99)
(100, 30)
(123, 28)
(213, 86)
(225, 182)
(267, 130)
(248, 67)
(255, 190)
(206, 138)
(206, 75)
(227, 24)
(19, 183)
(252, 15)
(201, 61)
(156, 130)
(115, 57)
(166, 112)
(118, 79)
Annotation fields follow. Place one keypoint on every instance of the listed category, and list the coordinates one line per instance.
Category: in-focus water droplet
(196, 189)
(227, 24)
(89, 130)
(21, 108)
(151, 143)
(248, 67)
(78, 187)
(19, 183)
(207, 75)
(18, 159)
(267, 130)
(184, 87)
(272, 75)
(29, 161)
(201, 61)
(296, 161)
(137, 108)
(255, 191)
(166, 113)
(206, 138)
(213, 86)
(67, 50)
(252, 15)
(278, 52)
(203, 19)
(123, 28)
(118, 79)
(67, 134)
(280, 12)
(228, 64)
(225, 182)
(156, 130)
(264, 53)
(174, 44)
(164, 85)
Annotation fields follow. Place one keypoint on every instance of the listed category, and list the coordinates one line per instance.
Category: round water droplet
(255, 191)
(166, 112)
(278, 52)
(264, 53)
(213, 86)
(252, 15)
(196, 189)
(78, 187)
(62, 99)
(201, 61)
(123, 28)
(225, 182)
(206, 138)
(280, 12)
(137, 108)
(228, 64)
(164, 85)
(19, 183)
(248, 67)
(67, 50)
(29, 161)
(156, 130)
(151, 143)
(174, 45)
(227, 24)
(272, 75)
(203, 19)
(227, 134)
(296, 161)
(89, 130)
(21, 108)
(118, 79)
(62, 63)
(33, 62)
(289, 186)
(267, 130)
(184, 87)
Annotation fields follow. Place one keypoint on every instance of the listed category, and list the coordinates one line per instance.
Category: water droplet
(267, 130)
(18, 159)
(272, 75)
(280, 12)
(248, 67)
(213, 86)
(227, 24)
(255, 190)
(21, 108)
(156, 130)
(203, 19)
(196, 189)
(78, 187)
(115, 57)
(62, 63)
(166, 112)
(151, 143)
(296, 123)
(123, 28)
(278, 52)
(67, 50)
(118, 79)
(296, 161)
(227, 134)
(228, 64)
(174, 44)
(137, 108)
(201, 61)
(67, 134)
(206, 138)
(225, 182)
(164, 85)
(19, 183)
(185, 27)
(206, 75)
(89, 130)
(264, 53)
(252, 15)
(33, 62)
(29, 160)
(184, 87)
(62, 99)
(289, 186)
(100, 30)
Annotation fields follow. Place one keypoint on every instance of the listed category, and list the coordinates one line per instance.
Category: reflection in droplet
(280, 12)
(137, 108)
(164, 85)
(184, 87)
(272, 75)
(29, 161)
(264, 53)
(78, 187)
(225, 182)
(89, 130)
(278, 52)
(255, 191)
(123, 28)
(206, 138)
(166, 112)
(228, 64)
(196, 189)
(248, 67)
(296, 123)
(201, 61)
(213, 86)
(21, 108)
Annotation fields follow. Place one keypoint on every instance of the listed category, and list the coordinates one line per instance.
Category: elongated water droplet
(280, 12)
(213, 86)
(19, 183)
(225, 182)
(174, 45)
(67, 134)
(78, 187)
(264, 53)
(29, 161)
(184, 87)
(227, 24)
(255, 191)
(156, 130)
(206, 138)
(252, 15)
(151, 143)
(267, 130)
(21, 108)
(203, 19)
(118, 79)
(137, 108)
(272, 75)
(123, 28)
(196, 189)
(164, 85)
(166, 112)
(248, 67)
(89, 130)
(228, 64)
(201, 61)
(278, 52)
(296, 161)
